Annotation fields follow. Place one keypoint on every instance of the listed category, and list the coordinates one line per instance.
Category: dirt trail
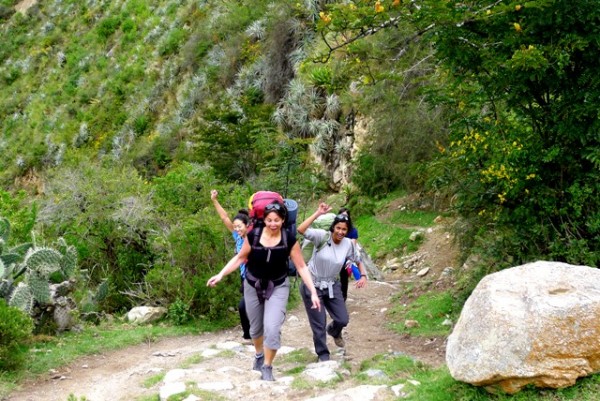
(119, 375)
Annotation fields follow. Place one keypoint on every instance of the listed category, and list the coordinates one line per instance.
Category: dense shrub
(15, 328)
(523, 158)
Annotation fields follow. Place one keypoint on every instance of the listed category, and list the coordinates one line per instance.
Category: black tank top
(269, 263)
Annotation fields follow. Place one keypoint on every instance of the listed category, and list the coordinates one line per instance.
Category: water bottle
(355, 271)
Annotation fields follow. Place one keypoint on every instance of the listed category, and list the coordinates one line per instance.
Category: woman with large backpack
(331, 252)
(266, 250)
(238, 228)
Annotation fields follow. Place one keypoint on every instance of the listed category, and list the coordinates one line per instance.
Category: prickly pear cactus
(39, 288)
(43, 261)
(68, 262)
(27, 273)
(22, 298)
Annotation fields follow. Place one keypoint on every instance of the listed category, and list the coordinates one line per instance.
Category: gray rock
(534, 324)
(145, 314)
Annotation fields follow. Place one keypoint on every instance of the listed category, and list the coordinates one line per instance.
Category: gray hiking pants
(267, 318)
(318, 319)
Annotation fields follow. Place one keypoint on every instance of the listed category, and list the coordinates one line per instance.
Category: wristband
(365, 276)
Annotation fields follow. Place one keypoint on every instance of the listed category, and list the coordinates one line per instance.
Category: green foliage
(238, 142)
(108, 217)
(16, 328)
(519, 169)
(173, 42)
(179, 312)
(21, 214)
(107, 27)
(381, 238)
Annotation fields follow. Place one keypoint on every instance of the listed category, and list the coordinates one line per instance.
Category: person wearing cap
(266, 288)
(332, 250)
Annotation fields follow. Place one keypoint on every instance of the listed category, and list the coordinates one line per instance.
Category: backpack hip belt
(264, 288)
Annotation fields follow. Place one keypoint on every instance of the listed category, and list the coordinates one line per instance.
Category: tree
(521, 81)
(525, 136)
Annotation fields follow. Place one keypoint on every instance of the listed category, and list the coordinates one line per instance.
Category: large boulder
(534, 324)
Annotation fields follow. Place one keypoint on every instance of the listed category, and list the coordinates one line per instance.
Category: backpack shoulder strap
(256, 232)
(284, 237)
(324, 242)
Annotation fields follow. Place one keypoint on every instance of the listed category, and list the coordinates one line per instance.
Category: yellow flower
(378, 7)
(518, 7)
(352, 6)
(517, 27)
(326, 18)
(396, 3)
(488, 12)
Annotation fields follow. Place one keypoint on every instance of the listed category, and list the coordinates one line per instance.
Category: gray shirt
(326, 263)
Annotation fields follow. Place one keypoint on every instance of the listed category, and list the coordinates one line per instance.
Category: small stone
(409, 324)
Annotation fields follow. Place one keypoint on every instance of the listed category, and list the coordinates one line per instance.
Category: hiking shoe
(339, 340)
(267, 373)
(259, 361)
(323, 358)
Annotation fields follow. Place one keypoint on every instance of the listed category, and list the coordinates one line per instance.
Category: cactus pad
(39, 288)
(69, 261)
(22, 298)
(44, 261)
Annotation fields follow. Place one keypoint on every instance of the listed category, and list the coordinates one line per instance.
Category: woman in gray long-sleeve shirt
(331, 251)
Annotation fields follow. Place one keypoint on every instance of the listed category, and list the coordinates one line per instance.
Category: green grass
(382, 236)
(438, 384)
(299, 356)
(430, 310)
(152, 380)
(192, 360)
(155, 397)
(418, 218)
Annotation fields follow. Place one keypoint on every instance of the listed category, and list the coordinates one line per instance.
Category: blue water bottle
(355, 271)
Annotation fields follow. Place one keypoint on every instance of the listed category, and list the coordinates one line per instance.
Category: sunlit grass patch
(153, 380)
(430, 310)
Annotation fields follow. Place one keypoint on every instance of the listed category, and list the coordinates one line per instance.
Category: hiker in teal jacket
(238, 228)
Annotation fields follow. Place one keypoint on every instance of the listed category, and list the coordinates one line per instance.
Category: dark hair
(276, 207)
(243, 216)
(341, 218)
(345, 210)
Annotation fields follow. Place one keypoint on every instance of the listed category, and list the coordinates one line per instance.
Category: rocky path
(220, 363)
(217, 366)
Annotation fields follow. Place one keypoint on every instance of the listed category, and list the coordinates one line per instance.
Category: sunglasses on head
(273, 207)
(342, 217)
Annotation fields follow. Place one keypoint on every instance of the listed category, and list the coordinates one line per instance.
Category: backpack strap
(258, 232)
(324, 242)
(284, 237)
